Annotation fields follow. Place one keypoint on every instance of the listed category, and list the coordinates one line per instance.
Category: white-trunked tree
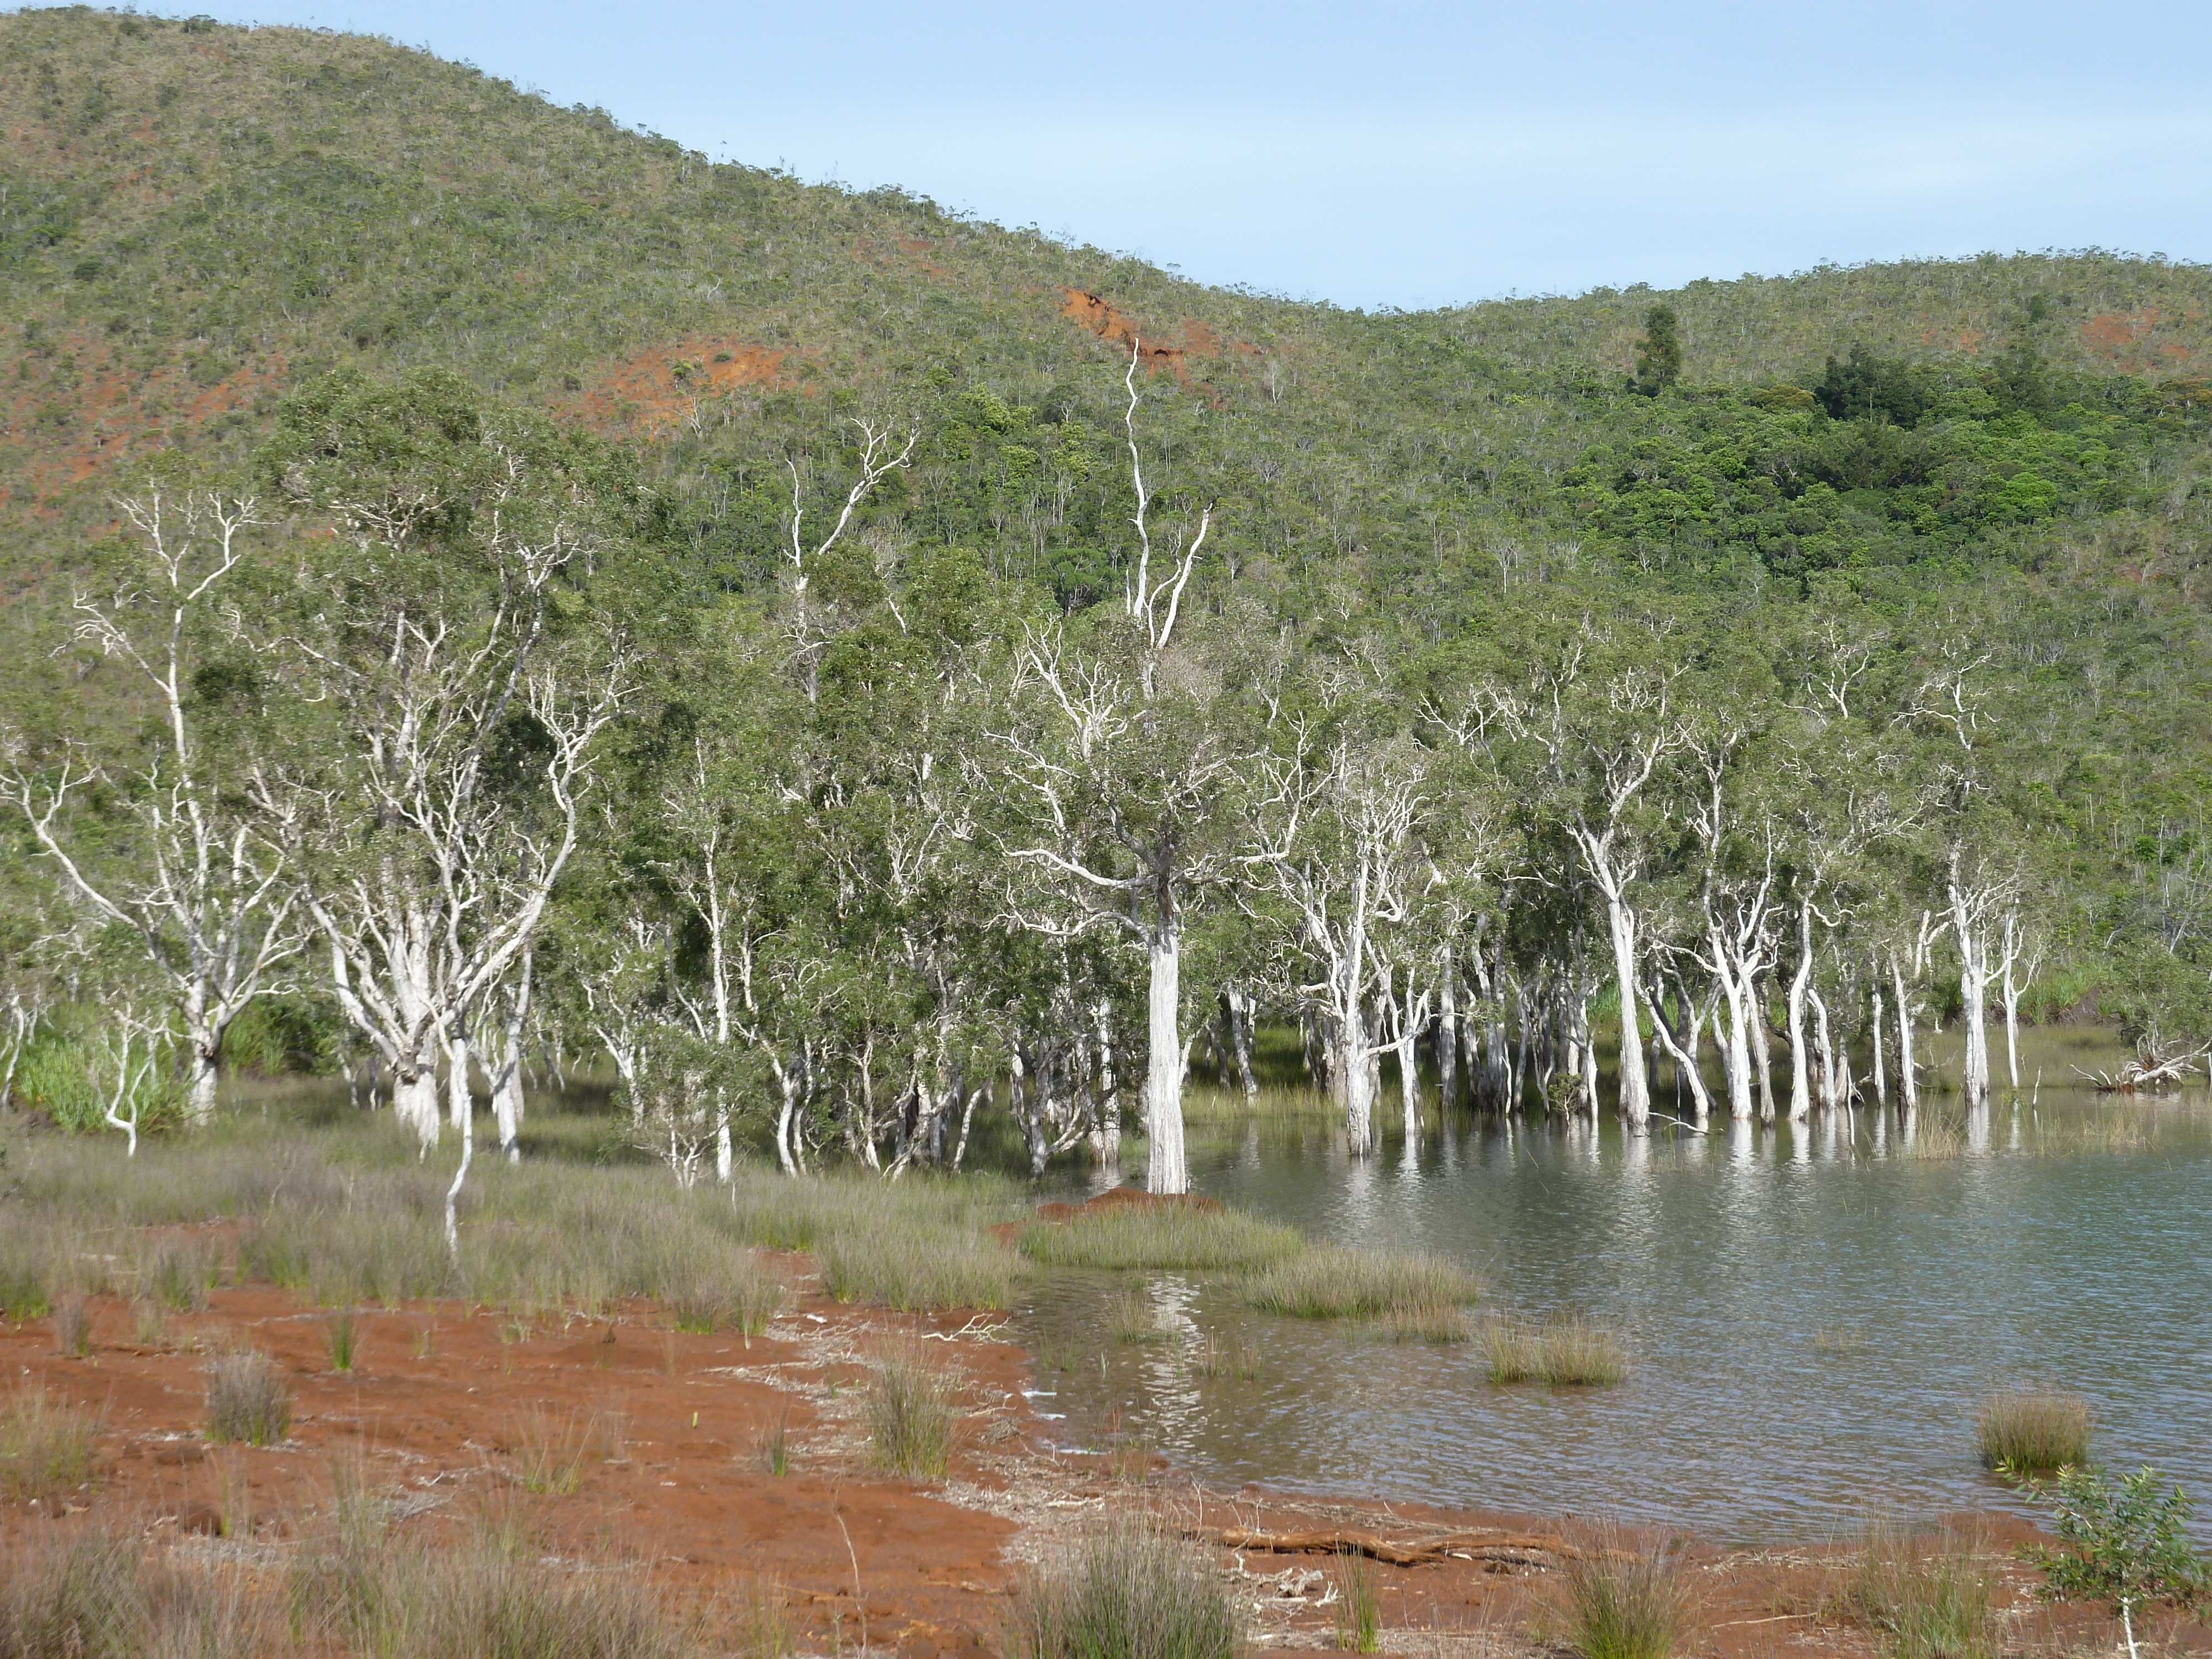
(209, 903)
(458, 684)
(1113, 765)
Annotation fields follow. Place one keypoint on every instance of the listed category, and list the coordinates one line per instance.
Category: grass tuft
(1136, 1320)
(1331, 1282)
(46, 1445)
(1625, 1604)
(1358, 1603)
(1161, 1235)
(2033, 1431)
(910, 1416)
(72, 1326)
(343, 1338)
(1124, 1591)
(1438, 1324)
(550, 1453)
(247, 1400)
(1568, 1353)
(1925, 1599)
(728, 1291)
(916, 1267)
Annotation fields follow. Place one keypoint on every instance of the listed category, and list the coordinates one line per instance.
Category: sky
(1415, 155)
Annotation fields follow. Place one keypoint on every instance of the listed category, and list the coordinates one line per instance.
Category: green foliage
(2129, 1540)
(1658, 354)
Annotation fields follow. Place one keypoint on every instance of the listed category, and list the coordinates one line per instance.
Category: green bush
(2129, 1542)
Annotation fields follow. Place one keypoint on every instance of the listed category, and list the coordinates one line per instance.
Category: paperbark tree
(1116, 776)
(453, 702)
(210, 904)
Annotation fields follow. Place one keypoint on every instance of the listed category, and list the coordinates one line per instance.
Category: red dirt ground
(645, 392)
(443, 1401)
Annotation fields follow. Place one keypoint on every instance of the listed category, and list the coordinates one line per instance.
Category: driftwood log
(1537, 1550)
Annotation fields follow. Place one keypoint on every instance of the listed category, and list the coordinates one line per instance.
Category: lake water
(1812, 1315)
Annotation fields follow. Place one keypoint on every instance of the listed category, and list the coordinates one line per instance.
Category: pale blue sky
(1417, 154)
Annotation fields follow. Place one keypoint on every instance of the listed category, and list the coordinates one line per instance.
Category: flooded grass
(1439, 1323)
(1332, 1282)
(1359, 1602)
(1124, 1591)
(1161, 1237)
(2033, 1431)
(1566, 1352)
(1136, 1320)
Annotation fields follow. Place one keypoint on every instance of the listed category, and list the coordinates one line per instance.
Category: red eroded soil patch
(1156, 348)
(76, 410)
(662, 386)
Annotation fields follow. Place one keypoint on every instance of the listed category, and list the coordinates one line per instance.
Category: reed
(1124, 1591)
(1332, 1282)
(1161, 1235)
(2033, 1431)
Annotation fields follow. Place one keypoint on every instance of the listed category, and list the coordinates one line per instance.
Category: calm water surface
(1811, 1315)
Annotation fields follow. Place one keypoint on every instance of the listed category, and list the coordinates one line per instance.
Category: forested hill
(1815, 533)
(195, 218)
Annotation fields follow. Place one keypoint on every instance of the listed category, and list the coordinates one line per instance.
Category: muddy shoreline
(446, 1404)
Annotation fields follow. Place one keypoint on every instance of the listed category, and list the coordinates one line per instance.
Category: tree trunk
(1106, 1139)
(1166, 1170)
(1825, 1091)
(1635, 1085)
(1908, 1074)
(1800, 1082)
(460, 1103)
(1873, 1031)
(2012, 1001)
(1762, 1052)
(1448, 1033)
(199, 1102)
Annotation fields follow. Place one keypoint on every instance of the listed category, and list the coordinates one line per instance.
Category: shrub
(1926, 1604)
(1331, 1282)
(910, 1416)
(2033, 1432)
(1567, 1353)
(247, 1399)
(1624, 1604)
(97, 1594)
(1124, 1592)
(1160, 1236)
(2129, 1541)
(45, 1446)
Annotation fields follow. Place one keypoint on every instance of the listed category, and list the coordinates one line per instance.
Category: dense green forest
(486, 588)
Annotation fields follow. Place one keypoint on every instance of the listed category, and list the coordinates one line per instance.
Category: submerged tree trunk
(1165, 1170)
(1762, 1053)
(1800, 1087)
(1446, 1037)
(1874, 1034)
(1908, 1074)
(1635, 1085)
(1106, 1138)
(1974, 996)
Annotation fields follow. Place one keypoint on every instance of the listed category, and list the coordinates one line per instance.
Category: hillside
(195, 218)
